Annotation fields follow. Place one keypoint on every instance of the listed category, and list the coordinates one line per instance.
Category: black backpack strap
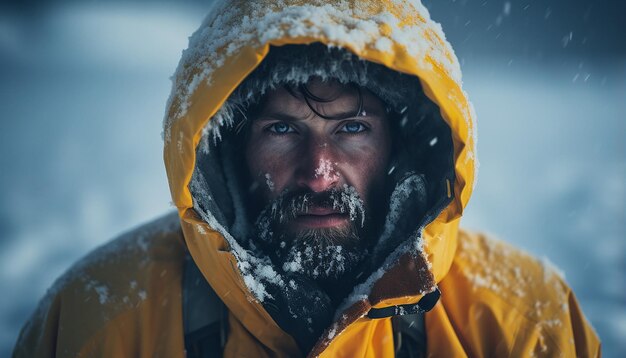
(425, 304)
(409, 329)
(409, 335)
(205, 318)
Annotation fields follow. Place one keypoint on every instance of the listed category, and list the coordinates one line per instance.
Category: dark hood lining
(422, 144)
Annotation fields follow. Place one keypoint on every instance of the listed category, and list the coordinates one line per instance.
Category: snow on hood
(230, 44)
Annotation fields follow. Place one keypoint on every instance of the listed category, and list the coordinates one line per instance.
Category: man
(320, 156)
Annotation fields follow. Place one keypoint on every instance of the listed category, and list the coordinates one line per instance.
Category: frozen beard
(326, 253)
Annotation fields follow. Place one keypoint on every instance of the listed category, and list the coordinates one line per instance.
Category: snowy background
(83, 90)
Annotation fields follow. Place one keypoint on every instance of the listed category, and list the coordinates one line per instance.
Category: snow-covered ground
(82, 96)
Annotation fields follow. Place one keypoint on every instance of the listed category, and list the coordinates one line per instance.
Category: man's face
(320, 181)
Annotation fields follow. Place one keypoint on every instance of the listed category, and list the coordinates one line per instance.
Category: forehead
(327, 97)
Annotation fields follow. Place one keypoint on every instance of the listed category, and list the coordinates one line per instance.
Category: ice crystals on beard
(263, 225)
(315, 259)
(345, 200)
(349, 197)
(269, 182)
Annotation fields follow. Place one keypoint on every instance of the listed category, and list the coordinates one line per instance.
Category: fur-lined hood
(224, 69)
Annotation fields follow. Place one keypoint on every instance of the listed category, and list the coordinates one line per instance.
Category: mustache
(291, 204)
(343, 200)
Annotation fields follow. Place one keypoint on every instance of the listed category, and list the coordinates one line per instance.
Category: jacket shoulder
(496, 266)
(115, 284)
(522, 302)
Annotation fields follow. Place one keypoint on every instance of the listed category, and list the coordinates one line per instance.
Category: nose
(317, 170)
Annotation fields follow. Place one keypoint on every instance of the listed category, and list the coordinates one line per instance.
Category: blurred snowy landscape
(83, 89)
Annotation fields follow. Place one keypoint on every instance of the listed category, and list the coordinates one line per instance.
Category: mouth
(320, 217)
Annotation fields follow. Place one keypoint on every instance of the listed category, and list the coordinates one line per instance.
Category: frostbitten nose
(318, 172)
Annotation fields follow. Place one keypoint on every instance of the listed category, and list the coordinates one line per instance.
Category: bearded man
(320, 156)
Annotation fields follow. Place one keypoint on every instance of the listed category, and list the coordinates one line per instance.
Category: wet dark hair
(302, 91)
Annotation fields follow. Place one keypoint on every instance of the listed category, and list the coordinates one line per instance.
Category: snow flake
(103, 293)
(101, 290)
(507, 8)
(179, 144)
(550, 270)
(384, 44)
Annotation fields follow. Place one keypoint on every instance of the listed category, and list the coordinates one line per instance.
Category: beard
(327, 253)
(321, 253)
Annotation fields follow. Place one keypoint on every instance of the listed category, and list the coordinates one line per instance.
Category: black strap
(409, 331)
(204, 315)
(424, 305)
(409, 336)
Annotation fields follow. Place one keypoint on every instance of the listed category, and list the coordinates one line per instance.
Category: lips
(320, 217)
(321, 211)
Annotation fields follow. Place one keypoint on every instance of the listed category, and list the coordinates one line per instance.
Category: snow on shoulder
(116, 277)
(494, 266)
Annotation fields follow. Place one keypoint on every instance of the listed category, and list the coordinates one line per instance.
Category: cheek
(365, 165)
(269, 167)
(365, 168)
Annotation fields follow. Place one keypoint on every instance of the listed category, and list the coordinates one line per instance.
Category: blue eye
(280, 128)
(353, 127)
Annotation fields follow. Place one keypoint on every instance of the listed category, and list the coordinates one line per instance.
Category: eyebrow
(277, 116)
(281, 116)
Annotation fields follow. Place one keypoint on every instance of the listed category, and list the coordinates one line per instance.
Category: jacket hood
(223, 57)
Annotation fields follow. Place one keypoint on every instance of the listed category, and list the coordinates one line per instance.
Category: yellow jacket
(124, 299)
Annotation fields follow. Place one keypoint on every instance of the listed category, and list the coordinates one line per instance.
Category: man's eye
(280, 128)
(353, 127)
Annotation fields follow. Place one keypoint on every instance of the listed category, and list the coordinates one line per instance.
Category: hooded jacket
(125, 298)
